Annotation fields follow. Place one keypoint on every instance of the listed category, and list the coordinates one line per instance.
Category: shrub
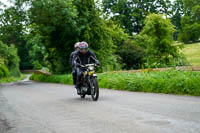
(3, 71)
(11, 59)
(37, 65)
(131, 54)
(170, 82)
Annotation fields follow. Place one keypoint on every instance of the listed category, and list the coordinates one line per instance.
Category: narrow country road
(32, 107)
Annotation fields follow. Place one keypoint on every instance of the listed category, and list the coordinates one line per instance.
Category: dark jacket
(84, 58)
(71, 57)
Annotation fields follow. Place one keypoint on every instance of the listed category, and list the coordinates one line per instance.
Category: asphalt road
(32, 107)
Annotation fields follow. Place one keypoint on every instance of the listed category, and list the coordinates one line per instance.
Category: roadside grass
(168, 82)
(62, 79)
(12, 79)
(192, 53)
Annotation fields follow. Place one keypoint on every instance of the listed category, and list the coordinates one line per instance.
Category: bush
(37, 65)
(10, 58)
(170, 82)
(131, 54)
(3, 71)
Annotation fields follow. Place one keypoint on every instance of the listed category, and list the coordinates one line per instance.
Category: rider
(76, 46)
(82, 57)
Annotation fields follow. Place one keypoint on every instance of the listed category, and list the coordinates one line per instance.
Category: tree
(13, 22)
(9, 59)
(98, 33)
(130, 14)
(158, 32)
(37, 50)
(55, 22)
(190, 22)
(177, 13)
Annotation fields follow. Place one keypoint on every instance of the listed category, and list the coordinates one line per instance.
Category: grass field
(192, 53)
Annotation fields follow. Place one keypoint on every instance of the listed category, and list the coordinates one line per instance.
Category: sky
(5, 2)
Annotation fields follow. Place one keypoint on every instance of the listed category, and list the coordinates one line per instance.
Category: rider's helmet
(83, 47)
(76, 45)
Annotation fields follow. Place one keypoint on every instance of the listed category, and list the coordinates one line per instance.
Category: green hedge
(169, 82)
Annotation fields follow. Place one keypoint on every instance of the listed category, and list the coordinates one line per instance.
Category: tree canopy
(124, 34)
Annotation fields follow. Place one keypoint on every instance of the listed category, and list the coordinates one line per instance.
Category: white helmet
(76, 45)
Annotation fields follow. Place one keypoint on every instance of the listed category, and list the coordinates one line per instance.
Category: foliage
(12, 79)
(100, 34)
(118, 34)
(177, 10)
(55, 22)
(159, 47)
(37, 50)
(190, 32)
(190, 22)
(131, 14)
(170, 82)
(3, 71)
(45, 32)
(12, 28)
(63, 79)
(10, 57)
(132, 55)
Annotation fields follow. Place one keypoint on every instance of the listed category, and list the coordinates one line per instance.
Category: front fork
(90, 82)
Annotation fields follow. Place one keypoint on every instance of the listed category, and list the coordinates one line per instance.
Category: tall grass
(169, 82)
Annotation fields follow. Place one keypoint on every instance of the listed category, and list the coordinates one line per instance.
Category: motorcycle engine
(84, 89)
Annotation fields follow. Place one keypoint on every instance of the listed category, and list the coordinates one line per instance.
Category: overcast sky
(5, 2)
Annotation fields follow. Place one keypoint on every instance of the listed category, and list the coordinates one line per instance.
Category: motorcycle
(89, 82)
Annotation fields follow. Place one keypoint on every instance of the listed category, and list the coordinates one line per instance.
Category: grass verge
(168, 82)
(12, 79)
(191, 52)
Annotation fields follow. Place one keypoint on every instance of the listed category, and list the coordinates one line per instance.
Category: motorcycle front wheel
(82, 96)
(95, 89)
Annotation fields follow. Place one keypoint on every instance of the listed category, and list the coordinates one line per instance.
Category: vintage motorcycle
(89, 82)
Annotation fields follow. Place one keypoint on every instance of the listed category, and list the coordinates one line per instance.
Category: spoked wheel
(95, 89)
(82, 96)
